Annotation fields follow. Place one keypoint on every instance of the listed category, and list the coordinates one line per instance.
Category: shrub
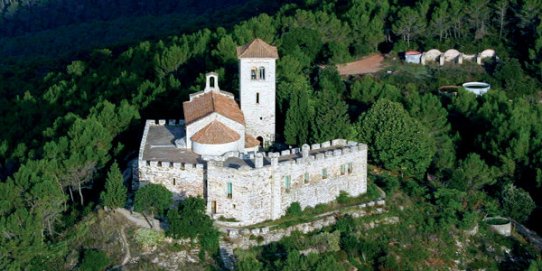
(94, 260)
(189, 220)
(343, 197)
(294, 210)
(148, 237)
(389, 183)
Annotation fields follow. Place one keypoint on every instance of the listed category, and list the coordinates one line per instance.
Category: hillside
(73, 118)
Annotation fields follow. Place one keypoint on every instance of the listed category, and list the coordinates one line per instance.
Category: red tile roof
(215, 133)
(257, 49)
(412, 53)
(210, 102)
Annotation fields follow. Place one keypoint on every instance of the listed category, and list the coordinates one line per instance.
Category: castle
(215, 151)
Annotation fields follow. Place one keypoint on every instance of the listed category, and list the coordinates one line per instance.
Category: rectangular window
(230, 190)
(213, 207)
(253, 74)
(324, 173)
(343, 169)
(306, 177)
(350, 168)
(287, 183)
(174, 181)
(257, 97)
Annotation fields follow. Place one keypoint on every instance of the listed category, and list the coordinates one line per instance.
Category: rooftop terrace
(159, 145)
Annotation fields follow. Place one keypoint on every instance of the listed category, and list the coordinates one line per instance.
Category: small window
(306, 177)
(287, 183)
(257, 97)
(262, 73)
(230, 190)
(174, 181)
(253, 74)
(324, 173)
(350, 168)
(343, 169)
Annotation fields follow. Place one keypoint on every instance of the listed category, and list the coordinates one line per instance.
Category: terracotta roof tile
(215, 133)
(250, 141)
(257, 49)
(210, 102)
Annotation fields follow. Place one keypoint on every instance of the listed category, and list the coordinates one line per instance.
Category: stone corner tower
(257, 88)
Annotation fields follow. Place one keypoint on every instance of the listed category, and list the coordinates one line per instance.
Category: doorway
(261, 141)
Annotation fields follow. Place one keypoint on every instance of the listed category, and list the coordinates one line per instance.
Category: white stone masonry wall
(260, 193)
(181, 179)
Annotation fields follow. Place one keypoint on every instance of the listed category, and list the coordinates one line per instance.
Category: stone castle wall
(260, 192)
(182, 179)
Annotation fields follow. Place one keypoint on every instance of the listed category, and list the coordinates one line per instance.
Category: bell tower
(257, 89)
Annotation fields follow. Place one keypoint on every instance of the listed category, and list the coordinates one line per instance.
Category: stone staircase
(226, 254)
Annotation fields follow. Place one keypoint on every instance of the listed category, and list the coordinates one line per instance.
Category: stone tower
(257, 86)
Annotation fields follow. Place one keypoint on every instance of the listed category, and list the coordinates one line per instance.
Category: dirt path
(138, 219)
(369, 64)
(126, 248)
(126, 245)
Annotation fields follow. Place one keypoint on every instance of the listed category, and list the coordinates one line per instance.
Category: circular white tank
(478, 88)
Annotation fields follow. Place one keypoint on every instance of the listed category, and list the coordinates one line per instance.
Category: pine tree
(330, 118)
(395, 139)
(296, 128)
(114, 195)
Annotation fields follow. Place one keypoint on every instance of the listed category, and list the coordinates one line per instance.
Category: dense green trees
(396, 140)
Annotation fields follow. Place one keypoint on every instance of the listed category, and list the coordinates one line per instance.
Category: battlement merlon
(258, 160)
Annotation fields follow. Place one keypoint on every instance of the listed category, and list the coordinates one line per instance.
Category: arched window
(262, 73)
(212, 82)
(253, 74)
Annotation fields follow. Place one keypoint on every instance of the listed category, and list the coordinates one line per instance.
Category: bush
(294, 210)
(94, 260)
(343, 197)
(189, 220)
(389, 183)
(148, 237)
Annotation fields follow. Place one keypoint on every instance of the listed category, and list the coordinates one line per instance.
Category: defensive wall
(251, 187)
